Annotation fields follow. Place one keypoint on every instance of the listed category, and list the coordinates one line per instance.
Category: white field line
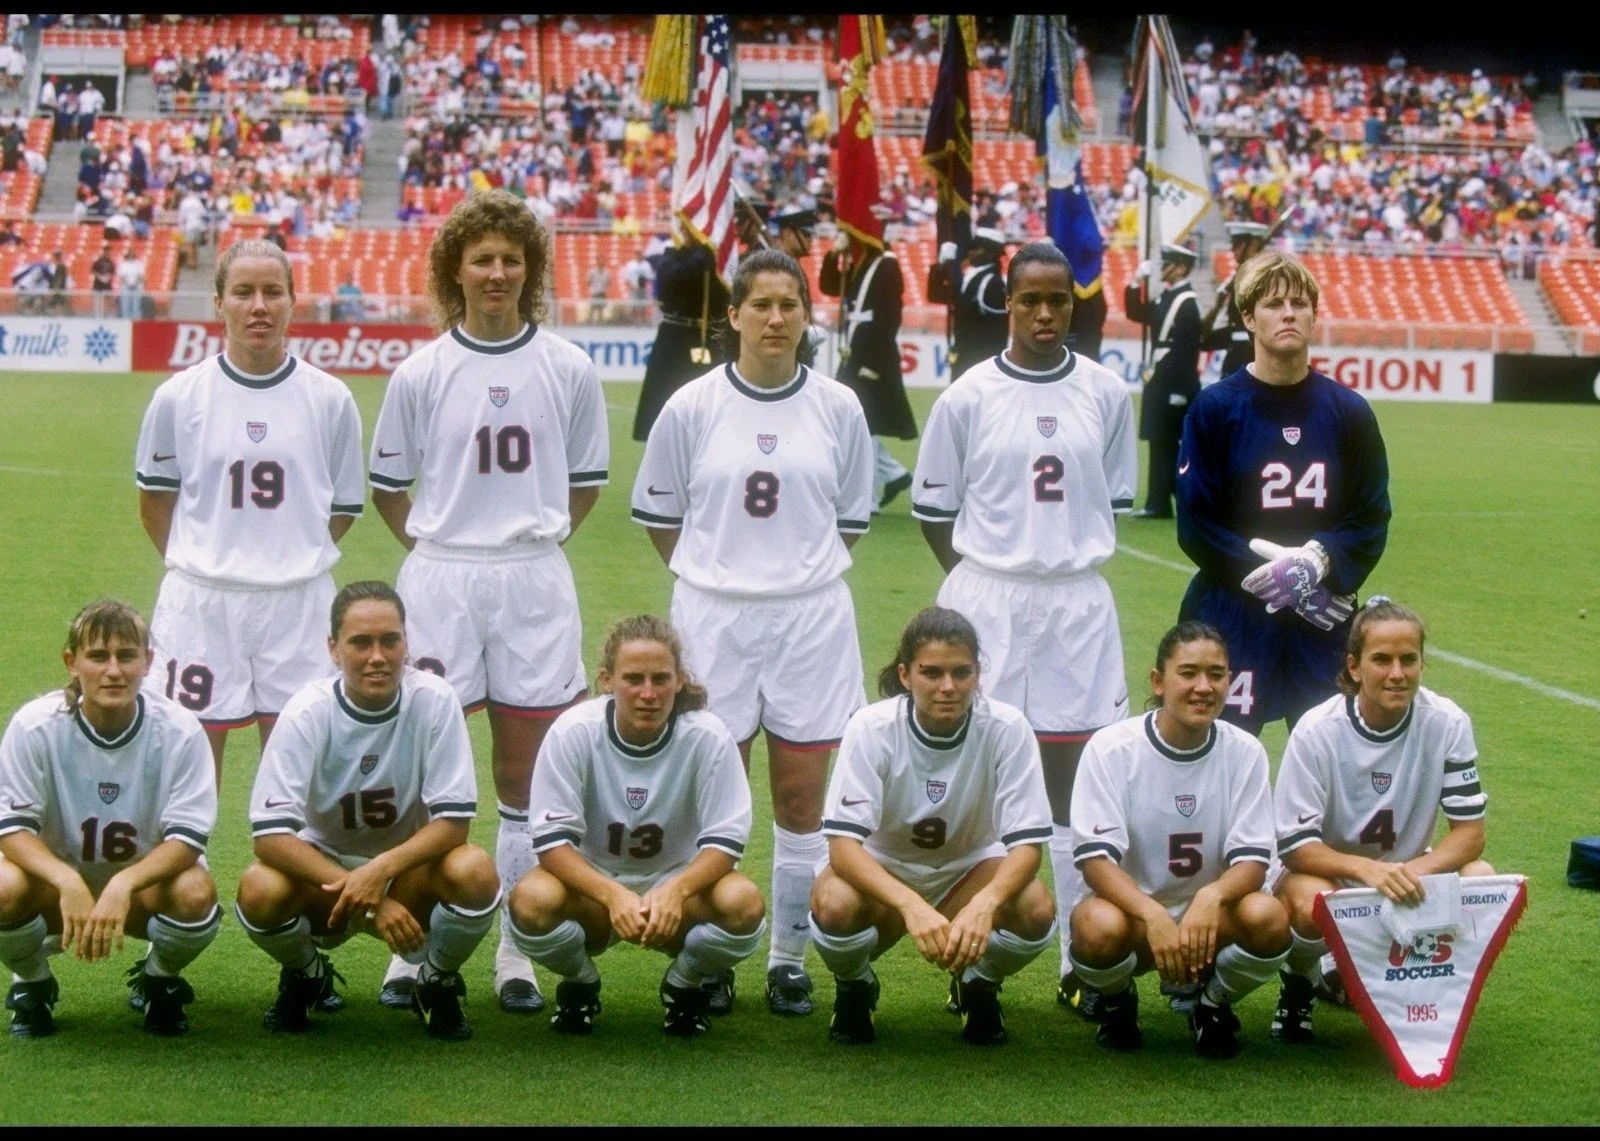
(1443, 655)
(10, 469)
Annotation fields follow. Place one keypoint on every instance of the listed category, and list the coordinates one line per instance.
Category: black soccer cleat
(854, 1000)
(892, 489)
(32, 1006)
(687, 1015)
(982, 1022)
(521, 996)
(719, 993)
(1119, 1020)
(396, 993)
(438, 1003)
(136, 995)
(1330, 986)
(1291, 1022)
(164, 1000)
(788, 990)
(1079, 997)
(952, 1003)
(1215, 1029)
(1181, 997)
(298, 993)
(576, 1007)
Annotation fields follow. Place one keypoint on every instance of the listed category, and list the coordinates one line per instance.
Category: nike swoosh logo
(550, 816)
(848, 803)
(15, 807)
(278, 803)
(1102, 829)
(383, 455)
(933, 486)
(799, 926)
(1184, 468)
(157, 457)
(1304, 819)
(653, 490)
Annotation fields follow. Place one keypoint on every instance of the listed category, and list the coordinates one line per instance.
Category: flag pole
(1151, 120)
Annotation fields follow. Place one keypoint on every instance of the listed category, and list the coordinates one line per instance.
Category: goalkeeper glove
(1289, 576)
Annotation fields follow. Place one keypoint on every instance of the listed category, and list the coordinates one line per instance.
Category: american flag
(706, 207)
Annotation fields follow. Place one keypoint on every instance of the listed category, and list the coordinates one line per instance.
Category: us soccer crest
(256, 430)
(498, 396)
(1292, 435)
(936, 790)
(368, 763)
(1381, 782)
(1185, 804)
(636, 798)
(766, 442)
(1047, 426)
(109, 791)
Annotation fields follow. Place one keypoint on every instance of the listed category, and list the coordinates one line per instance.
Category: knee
(264, 895)
(1264, 923)
(796, 807)
(1478, 868)
(1100, 932)
(739, 904)
(836, 906)
(1298, 895)
(191, 896)
(1034, 911)
(535, 903)
(470, 877)
(13, 894)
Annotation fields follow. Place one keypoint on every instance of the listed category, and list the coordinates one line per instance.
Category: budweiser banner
(1417, 998)
(342, 349)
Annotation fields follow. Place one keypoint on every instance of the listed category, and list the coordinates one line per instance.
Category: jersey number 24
(1276, 478)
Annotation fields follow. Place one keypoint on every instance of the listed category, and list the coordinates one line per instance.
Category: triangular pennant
(1418, 1000)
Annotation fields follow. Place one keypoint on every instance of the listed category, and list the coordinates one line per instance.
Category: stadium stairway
(1555, 133)
(1547, 336)
(1107, 70)
(380, 181)
(59, 193)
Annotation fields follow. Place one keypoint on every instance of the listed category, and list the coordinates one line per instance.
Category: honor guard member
(248, 472)
(871, 290)
(1172, 826)
(1174, 378)
(504, 421)
(1364, 779)
(360, 814)
(796, 229)
(109, 801)
(936, 813)
(982, 324)
(1283, 504)
(692, 298)
(1233, 340)
(643, 813)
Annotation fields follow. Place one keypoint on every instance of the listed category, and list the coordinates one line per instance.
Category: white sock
(849, 957)
(1305, 955)
(453, 934)
(22, 949)
(175, 944)
(708, 950)
(885, 466)
(514, 858)
(1107, 980)
(562, 950)
(1007, 953)
(1068, 882)
(399, 969)
(288, 943)
(795, 856)
(1238, 972)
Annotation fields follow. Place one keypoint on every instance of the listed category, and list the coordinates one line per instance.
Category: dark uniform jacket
(870, 328)
(1233, 339)
(983, 327)
(1174, 322)
(686, 280)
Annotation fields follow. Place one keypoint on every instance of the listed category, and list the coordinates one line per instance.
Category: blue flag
(1069, 213)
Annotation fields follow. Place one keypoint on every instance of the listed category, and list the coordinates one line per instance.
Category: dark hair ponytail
(769, 260)
(1181, 635)
(649, 628)
(98, 623)
(1379, 608)
(935, 624)
(367, 590)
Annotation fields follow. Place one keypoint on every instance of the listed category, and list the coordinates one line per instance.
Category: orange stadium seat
(897, 84)
(563, 58)
(257, 33)
(996, 162)
(1573, 286)
(458, 33)
(80, 245)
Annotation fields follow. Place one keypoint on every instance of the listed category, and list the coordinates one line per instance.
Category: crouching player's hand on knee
(929, 930)
(662, 907)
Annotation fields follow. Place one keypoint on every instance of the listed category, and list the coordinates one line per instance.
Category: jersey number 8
(761, 494)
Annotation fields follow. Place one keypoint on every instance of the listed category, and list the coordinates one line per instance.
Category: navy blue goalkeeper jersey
(1287, 464)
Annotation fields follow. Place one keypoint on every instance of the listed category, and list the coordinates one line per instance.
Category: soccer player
(756, 482)
(505, 423)
(643, 811)
(936, 812)
(249, 473)
(1172, 826)
(1021, 470)
(360, 813)
(1283, 464)
(1363, 780)
(109, 801)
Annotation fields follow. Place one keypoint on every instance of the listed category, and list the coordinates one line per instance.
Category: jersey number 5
(1276, 477)
(1183, 853)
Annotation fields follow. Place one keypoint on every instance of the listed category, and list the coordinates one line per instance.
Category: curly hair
(97, 624)
(649, 628)
(487, 212)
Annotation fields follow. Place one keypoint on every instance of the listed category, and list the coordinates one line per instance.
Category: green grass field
(1496, 540)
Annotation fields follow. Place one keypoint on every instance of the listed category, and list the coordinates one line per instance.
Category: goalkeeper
(1283, 504)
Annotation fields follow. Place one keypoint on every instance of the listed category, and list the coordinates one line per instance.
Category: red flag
(861, 43)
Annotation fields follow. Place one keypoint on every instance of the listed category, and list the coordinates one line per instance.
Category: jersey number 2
(1276, 477)
(1047, 472)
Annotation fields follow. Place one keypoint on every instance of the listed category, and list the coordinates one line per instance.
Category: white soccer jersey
(1030, 466)
(761, 481)
(921, 802)
(259, 465)
(498, 433)
(1374, 794)
(1175, 820)
(639, 813)
(103, 804)
(356, 783)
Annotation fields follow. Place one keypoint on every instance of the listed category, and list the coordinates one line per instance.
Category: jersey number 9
(928, 833)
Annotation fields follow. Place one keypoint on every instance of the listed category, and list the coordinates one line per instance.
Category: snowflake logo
(100, 343)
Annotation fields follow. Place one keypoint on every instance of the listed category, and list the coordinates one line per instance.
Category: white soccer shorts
(501, 625)
(934, 885)
(790, 665)
(233, 654)
(1051, 647)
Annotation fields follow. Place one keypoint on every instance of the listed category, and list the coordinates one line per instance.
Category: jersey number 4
(1276, 478)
